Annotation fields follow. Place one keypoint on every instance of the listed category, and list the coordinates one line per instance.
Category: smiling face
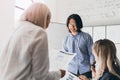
(72, 26)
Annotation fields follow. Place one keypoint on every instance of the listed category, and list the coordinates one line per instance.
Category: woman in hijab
(25, 56)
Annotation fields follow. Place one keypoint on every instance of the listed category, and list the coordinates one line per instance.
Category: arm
(40, 59)
(89, 45)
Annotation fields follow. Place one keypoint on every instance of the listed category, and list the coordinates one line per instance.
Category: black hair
(78, 21)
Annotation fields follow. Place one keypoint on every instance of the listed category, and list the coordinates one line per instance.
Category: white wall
(6, 19)
(52, 4)
(57, 33)
(61, 9)
(92, 12)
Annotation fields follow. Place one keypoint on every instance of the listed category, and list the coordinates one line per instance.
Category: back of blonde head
(38, 14)
(105, 51)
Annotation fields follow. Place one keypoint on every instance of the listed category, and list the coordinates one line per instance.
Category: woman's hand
(63, 72)
(82, 77)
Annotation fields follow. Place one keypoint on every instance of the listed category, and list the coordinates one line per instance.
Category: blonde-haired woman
(107, 63)
(25, 56)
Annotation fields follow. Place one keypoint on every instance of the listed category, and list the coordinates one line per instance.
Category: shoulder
(85, 34)
(36, 30)
(69, 35)
(109, 76)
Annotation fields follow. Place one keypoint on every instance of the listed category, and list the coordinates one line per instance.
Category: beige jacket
(25, 56)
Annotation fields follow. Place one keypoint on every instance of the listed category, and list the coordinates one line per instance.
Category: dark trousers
(87, 74)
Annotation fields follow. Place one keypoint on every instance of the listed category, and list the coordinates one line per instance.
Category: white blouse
(25, 56)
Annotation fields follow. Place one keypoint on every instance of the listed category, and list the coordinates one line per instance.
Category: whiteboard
(92, 12)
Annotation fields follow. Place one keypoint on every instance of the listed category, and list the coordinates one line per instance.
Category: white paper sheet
(59, 60)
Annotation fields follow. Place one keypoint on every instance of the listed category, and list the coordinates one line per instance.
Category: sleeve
(40, 59)
(89, 45)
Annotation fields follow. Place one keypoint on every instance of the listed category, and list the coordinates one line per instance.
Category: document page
(60, 59)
